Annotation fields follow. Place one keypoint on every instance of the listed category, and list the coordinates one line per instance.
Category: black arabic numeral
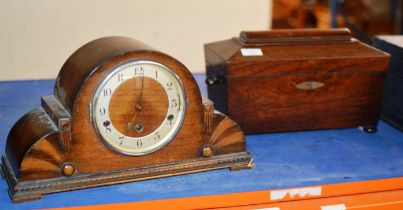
(169, 85)
(139, 143)
(138, 71)
(157, 136)
(120, 77)
(174, 103)
(102, 111)
(107, 92)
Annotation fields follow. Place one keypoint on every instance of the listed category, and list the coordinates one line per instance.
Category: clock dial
(139, 107)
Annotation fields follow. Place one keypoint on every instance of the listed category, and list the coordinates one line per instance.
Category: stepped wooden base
(33, 190)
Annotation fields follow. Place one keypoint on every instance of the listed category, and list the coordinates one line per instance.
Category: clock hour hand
(130, 124)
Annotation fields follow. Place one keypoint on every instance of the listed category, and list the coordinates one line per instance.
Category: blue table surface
(283, 160)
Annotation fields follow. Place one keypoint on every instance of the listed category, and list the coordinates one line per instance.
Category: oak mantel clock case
(121, 111)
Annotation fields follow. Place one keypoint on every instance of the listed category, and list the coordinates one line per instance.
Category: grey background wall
(37, 36)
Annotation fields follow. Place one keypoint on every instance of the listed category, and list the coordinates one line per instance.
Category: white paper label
(295, 193)
(334, 207)
(251, 52)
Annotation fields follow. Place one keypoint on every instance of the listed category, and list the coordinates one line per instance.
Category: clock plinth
(33, 190)
(95, 110)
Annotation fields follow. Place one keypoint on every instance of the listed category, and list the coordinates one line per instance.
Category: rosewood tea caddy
(286, 80)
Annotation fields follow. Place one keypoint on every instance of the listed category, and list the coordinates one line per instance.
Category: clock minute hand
(138, 106)
(140, 99)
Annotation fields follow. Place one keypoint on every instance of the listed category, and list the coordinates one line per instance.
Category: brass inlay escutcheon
(309, 85)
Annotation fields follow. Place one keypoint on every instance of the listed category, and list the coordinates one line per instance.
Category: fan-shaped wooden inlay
(45, 156)
(226, 133)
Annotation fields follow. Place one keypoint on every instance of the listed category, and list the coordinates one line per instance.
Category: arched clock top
(84, 61)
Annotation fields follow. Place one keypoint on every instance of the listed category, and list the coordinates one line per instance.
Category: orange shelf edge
(264, 197)
(389, 200)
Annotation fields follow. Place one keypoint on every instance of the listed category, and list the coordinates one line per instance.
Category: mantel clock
(121, 111)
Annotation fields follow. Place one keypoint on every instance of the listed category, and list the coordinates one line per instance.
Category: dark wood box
(392, 105)
(285, 80)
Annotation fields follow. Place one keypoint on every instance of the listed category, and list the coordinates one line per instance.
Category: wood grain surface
(306, 79)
